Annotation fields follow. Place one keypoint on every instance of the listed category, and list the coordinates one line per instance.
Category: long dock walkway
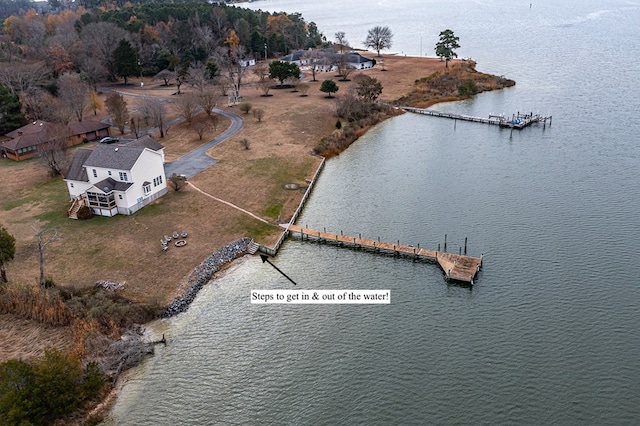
(517, 121)
(456, 267)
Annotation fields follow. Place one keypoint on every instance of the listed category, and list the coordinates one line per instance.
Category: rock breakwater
(202, 274)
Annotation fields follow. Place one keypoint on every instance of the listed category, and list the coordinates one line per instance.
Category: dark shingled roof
(355, 58)
(109, 185)
(76, 171)
(119, 157)
(87, 126)
(147, 142)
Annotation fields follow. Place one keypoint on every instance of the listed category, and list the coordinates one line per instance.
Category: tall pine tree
(11, 116)
(125, 60)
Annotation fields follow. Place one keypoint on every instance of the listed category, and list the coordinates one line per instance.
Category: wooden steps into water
(517, 121)
(456, 267)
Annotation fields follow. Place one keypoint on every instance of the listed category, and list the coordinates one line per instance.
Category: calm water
(551, 332)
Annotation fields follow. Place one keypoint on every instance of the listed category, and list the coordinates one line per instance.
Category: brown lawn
(127, 248)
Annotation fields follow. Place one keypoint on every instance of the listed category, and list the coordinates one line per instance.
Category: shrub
(50, 388)
(244, 143)
(84, 213)
(258, 113)
(177, 182)
(468, 88)
(245, 107)
(35, 303)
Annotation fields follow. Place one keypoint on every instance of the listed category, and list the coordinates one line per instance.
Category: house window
(120, 196)
(146, 189)
(109, 172)
(123, 176)
(157, 181)
(101, 200)
(95, 173)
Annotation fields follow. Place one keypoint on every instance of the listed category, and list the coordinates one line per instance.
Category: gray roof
(147, 142)
(356, 58)
(76, 171)
(119, 157)
(107, 185)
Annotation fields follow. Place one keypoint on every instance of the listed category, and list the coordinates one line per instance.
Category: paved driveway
(197, 160)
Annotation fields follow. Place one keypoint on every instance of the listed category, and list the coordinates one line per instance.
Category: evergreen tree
(125, 60)
(283, 70)
(329, 86)
(445, 47)
(10, 115)
(7, 251)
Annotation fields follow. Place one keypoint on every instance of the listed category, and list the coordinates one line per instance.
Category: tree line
(139, 40)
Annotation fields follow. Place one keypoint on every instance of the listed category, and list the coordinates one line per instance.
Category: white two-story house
(116, 178)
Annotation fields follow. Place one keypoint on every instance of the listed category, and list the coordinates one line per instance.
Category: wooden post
(445, 242)
(465, 246)
(438, 246)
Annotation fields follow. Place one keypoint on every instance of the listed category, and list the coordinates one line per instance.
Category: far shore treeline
(163, 35)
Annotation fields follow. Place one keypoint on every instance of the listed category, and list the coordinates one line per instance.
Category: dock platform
(456, 267)
(517, 121)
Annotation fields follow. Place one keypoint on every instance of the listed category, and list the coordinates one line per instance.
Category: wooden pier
(517, 121)
(456, 267)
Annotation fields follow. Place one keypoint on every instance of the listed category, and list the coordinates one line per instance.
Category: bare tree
(244, 143)
(215, 121)
(99, 40)
(293, 81)
(73, 93)
(54, 154)
(94, 70)
(19, 77)
(208, 99)
(135, 123)
(197, 77)
(177, 182)
(303, 88)
(258, 113)
(264, 81)
(231, 59)
(314, 60)
(341, 39)
(45, 236)
(379, 38)
(34, 102)
(265, 85)
(94, 102)
(344, 67)
(187, 106)
(117, 108)
(200, 127)
(368, 88)
(153, 113)
(261, 71)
